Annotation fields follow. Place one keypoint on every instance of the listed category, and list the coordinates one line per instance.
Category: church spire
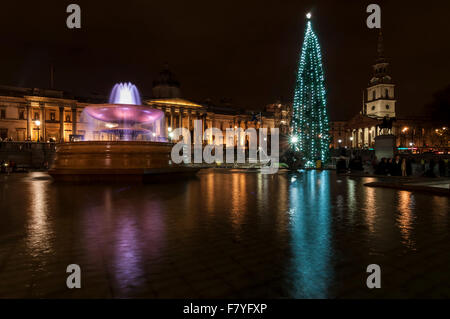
(380, 47)
(380, 95)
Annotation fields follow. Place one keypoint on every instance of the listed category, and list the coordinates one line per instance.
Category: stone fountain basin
(114, 160)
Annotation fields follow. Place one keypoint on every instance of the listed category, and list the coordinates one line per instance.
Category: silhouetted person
(430, 171)
(409, 166)
(381, 167)
(403, 167)
(390, 167)
(341, 165)
(441, 164)
(396, 166)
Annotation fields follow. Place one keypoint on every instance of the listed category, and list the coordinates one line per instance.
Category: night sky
(244, 50)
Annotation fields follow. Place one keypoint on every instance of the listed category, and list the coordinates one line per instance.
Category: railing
(6, 146)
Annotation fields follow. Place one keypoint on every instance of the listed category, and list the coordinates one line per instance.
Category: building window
(386, 92)
(36, 116)
(52, 116)
(373, 108)
(3, 133)
(387, 107)
(2, 114)
(21, 114)
(373, 95)
(67, 118)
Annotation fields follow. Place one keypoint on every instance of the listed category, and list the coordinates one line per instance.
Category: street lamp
(38, 124)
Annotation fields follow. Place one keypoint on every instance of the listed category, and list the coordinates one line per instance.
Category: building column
(42, 119)
(203, 124)
(180, 117)
(189, 120)
(166, 121)
(74, 120)
(29, 108)
(172, 113)
(61, 124)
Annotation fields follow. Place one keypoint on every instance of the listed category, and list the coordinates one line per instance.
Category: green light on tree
(310, 126)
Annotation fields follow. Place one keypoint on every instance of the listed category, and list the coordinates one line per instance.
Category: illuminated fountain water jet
(125, 93)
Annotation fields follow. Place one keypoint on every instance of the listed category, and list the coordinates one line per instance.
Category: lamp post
(38, 124)
(404, 131)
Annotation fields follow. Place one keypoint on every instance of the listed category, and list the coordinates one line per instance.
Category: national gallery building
(50, 115)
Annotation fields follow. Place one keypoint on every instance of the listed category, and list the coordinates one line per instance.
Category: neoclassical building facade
(38, 114)
(32, 114)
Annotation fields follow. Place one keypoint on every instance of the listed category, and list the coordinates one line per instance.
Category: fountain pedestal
(116, 161)
(384, 146)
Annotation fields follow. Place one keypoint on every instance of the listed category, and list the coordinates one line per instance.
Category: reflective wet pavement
(223, 234)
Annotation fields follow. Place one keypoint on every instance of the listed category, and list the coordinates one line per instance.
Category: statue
(386, 125)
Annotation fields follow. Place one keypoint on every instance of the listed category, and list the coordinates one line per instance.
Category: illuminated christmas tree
(310, 125)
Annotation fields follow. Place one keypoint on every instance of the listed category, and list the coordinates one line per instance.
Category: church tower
(380, 98)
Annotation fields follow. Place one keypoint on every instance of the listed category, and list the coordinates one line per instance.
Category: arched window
(373, 95)
(386, 92)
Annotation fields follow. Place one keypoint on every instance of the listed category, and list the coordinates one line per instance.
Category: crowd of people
(397, 166)
(6, 139)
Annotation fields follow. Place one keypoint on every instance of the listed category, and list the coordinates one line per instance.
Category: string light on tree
(310, 124)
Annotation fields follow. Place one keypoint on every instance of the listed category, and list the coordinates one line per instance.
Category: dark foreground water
(223, 234)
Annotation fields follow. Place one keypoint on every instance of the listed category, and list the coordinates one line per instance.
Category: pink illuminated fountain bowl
(135, 147)
(124, 113)
(124, 121)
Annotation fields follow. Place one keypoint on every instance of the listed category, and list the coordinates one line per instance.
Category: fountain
(124, 118)
(124, 141)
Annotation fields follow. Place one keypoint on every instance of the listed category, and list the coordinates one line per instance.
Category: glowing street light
(38, 124)
(308, 15)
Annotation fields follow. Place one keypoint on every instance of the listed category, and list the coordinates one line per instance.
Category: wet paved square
(225, 234)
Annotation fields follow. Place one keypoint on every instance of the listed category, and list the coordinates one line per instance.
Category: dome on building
(166, 85)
